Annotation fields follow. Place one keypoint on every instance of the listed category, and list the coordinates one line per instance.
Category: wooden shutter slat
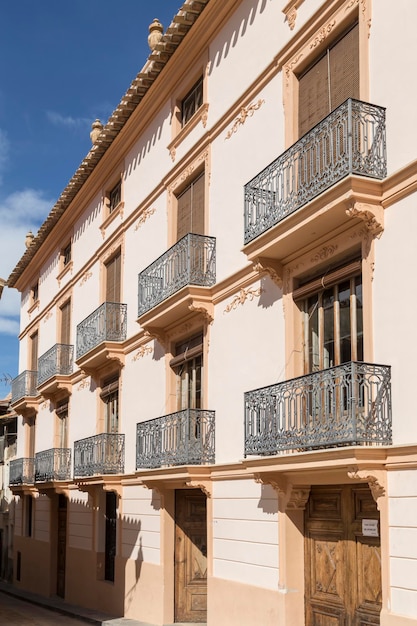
(113, 271)
(190, 209)
(65, 323)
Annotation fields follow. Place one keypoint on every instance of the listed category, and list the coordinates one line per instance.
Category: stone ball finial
(155, 33)
(96, 128)
(29, 238)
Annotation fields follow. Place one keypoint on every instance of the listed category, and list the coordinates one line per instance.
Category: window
(62, 424)
(113, 273)
(332, 318)
(114, 197)
(190, 208)
(65, 314)
(329, 81)
(192, 101)
(33, 352)
(35, 293)
(66, 254)
(110, 397)
(187, 365)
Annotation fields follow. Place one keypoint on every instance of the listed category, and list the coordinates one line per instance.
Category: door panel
(190, 556)
(343, 567)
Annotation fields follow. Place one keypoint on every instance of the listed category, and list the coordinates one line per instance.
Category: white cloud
(67, 120)
(9, 326)
(25, 209)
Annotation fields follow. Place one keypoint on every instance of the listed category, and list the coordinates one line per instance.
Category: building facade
(216, 417)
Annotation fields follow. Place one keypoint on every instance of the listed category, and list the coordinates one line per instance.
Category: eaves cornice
(157, 60)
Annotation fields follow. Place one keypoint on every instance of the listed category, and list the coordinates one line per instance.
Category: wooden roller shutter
(66, 323)
(34, 352)
(190, 209)
(113, 272)
(329, 81)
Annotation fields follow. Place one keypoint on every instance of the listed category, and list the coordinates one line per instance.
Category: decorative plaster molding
(371, 215)
(85, 277)
(242, 296)
(146, 214)
(117, 245)
(156, 333)
(272, 267)
(84, 383)
(290, 12)
(47, 316)
(376, 480)
(324, 253)
(289, 67)
(291, 497)
(204, 486)
(298, 497)
(245, 112)
(142, 351)
(278, 483)
(44, 405)
(323, 33)
(206, 309)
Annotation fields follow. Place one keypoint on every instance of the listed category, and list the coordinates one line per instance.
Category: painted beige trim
(290, 12)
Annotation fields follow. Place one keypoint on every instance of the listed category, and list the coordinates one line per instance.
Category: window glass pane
(345, 326)
(328, 344)
(359, 318)
(313, 339)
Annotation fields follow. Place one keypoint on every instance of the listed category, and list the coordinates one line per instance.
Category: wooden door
(62, 545)
(343, 560)
(190, 556)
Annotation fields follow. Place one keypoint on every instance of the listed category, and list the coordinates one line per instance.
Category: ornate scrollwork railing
(107, 323)
(24, 385)
(346, 405)
(351, 140)
(57, 361)
(22, 471)
(191, 261)
(182, 438)
(99, 455)
(53, 464)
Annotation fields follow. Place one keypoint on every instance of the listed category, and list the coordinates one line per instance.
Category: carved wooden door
(62, 545)
(342, 556)
(190, 556)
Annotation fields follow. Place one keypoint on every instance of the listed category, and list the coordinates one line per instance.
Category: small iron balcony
(107, 323)
(191, 261)
(22, 471)
(182, 438)
(346, 405)
(99, 455)
(351, 140)
(24, 385)
(53, 464)
(57, 361)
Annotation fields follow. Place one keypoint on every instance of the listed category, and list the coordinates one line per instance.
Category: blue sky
(62, 65)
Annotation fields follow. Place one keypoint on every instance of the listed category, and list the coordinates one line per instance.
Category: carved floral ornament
(375, 478)
(142, 351)
(146, 214)
(245, 112)
(241, 297)
(85, 277)
(371, 215)
(290, 12)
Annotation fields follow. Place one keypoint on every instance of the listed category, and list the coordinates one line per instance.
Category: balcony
(100, 335)
(54, 368)
(53, 465)
(99, 455)
(349, 141)
(190, 264)
(22, 472)
(346, 405)
(24, 392)
(182, 438)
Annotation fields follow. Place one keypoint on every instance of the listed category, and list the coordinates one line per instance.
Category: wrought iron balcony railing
(22, 471)
(107, 323)
(351, 140)
(99, 455)
(24, 385)
(57, 361)
(53, 464)
(191, 261)
(182, 438)
(346, 405)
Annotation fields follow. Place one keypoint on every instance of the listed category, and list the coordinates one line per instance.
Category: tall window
(115, 197)
(62, 423)
(110, 397)
(188, 367)
(329, 81)
(113, 274)
(332, 318)
(192, 101)
(66, 323)
(34, 352)
(66, 254)
(190, 208)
